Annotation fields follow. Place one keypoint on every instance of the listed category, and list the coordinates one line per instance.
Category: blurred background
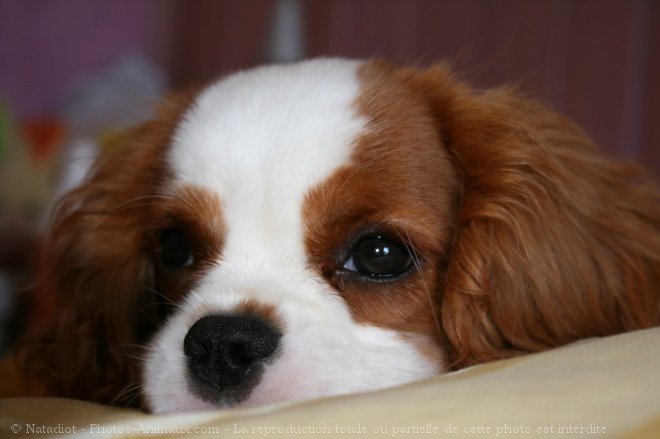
(73, 73)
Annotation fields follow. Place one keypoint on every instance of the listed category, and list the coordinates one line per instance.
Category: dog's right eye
(176, 250)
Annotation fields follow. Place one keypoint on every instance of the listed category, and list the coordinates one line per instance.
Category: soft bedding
(608, 387)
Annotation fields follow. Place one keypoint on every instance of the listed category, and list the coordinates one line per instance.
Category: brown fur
(199, 213)
(400, 182)
(553, 242)
(528, 238)
(96, 268)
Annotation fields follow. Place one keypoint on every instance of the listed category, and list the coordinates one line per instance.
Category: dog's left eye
(176, 250)
(378, 257)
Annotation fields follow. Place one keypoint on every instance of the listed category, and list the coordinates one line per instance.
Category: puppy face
(333, 226)
(302, 207)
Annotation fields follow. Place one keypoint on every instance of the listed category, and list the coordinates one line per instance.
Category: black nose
(226, 354)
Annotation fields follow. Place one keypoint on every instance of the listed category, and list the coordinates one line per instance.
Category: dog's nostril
(240, 355)
(225, 351)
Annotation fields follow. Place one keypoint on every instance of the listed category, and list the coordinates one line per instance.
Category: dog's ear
(96, 269)
(553, 242)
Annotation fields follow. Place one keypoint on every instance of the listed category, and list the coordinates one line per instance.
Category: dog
(334, 226)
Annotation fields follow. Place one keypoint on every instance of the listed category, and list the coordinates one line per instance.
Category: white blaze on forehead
(262, 139)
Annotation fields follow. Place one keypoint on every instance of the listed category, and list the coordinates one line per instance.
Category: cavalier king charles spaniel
(332, 226)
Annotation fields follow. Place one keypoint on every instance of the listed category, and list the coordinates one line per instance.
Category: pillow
(608, 387)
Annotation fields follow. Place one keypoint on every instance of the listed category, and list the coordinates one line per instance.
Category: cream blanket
(597, 388)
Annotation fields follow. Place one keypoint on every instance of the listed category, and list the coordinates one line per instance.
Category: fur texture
(523, 236)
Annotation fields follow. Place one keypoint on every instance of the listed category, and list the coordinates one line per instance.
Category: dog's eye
(378, 257)
(176, 251)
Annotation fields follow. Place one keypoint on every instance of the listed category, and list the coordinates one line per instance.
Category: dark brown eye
(378, 257)
(176, 250)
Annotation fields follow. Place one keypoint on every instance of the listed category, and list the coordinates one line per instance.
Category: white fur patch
(261, 140)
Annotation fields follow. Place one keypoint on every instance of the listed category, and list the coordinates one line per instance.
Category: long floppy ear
(553, 241)
(97, 270)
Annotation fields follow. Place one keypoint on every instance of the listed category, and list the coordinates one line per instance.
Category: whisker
(119, 350)
(429, 294)
(168, 301)
(131, 389)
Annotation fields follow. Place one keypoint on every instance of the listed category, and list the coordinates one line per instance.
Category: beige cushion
(607, 387)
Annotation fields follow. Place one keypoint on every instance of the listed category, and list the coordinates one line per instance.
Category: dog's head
(334, 226)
